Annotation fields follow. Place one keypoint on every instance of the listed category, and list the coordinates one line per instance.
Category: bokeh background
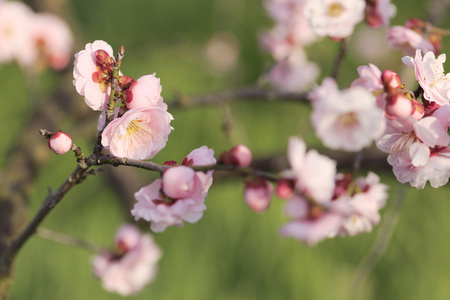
(200, 46)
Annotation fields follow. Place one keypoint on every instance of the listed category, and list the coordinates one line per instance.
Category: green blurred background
(232, 253)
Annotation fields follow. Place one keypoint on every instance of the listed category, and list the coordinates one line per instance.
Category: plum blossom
(139, 134)
(313, 223)
(312, 172)
(131, 266)
(154, 207)
(179, 196)
(334, 18)
(369, 198)
(50, 39)
(408, 40)
(379, 12)
(348, 120)
(144, 92)
(60, 142)
(89, 77)
(293, 74)
(15, 24)
(202, 156)
(429, 72)
(418, 150)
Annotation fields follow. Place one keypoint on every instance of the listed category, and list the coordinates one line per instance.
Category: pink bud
(127, 238)
(390, 80)
(285, 188)
(180, 182)
(257, 194)
(430, 106)
(418, 110)
(102, 57)
(399, 106)
(239, 156)
(60, 142)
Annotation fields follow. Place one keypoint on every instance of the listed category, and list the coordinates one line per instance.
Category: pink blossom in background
(144, 92)
(258, 193)
(133, 266)
(313, 173)
(365, 204)
(293, 74)
(15, 26)
(239, 156)
(334, 18)
(429, 72)
(50, 40)
(370, 79)
(347, 120)
(407, 40)
(153, 207)
(139, 134)
(379, 13)
(312, 223)
(60, 142)
(96, 93)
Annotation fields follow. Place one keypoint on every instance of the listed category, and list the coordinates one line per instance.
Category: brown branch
(247, 93)
(339, 58)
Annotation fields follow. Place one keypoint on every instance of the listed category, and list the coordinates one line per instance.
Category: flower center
(335, 9)
(138, 129)
(402, 144)
(438, 72)
(348, 120)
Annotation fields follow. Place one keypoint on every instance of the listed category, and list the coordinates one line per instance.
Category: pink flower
(366, 203)
(334, 18)
(202, 156)
(312, 172)
(139, 134)
(379, 12)
(60, 142)
(293, 74)
(154, 207)
(407, 40)
(133, 266)
(258, 193)
(15, 26)
(144, 92)
(430, 75)
(417, 150)
(348, 120)
(50, 41)
(90, 79)
(312, 223)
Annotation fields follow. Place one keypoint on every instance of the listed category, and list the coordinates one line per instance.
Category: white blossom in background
(334, 18)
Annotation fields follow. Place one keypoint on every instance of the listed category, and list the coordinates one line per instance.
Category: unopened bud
(285, 188)
(258, 193)
(398, 105)
(239, 156)
(60, 142)
(391, 80)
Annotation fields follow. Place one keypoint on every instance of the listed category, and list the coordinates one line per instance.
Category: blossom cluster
(179, 195)
(34, 40)
(323, 203)
(298, 23)
(141, 123)
(132, 263)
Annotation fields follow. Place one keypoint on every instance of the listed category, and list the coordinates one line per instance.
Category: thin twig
(68, 240)
(380, 245)
(247, 93)
(339, 58)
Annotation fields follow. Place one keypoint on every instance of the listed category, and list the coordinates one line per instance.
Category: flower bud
(258, 193)
(399, 106)
(239, 156)
(285, 188)
(180, 182)
(60, 142)
(390, 80)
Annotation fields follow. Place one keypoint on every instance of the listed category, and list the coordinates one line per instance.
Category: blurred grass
(232, 253)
